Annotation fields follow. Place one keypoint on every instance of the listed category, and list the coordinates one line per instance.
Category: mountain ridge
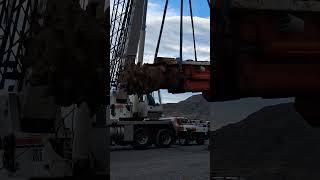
(219, 113)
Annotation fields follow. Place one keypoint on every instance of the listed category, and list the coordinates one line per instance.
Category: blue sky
(169, 46)
(199, 7)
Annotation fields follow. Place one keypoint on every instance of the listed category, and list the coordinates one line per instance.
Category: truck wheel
(164, 138)
(142, 139)
(183, 141)
(200, 141)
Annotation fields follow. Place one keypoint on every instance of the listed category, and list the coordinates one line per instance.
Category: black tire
(183, 141)
(142, 139)
(200, 141)
(164, 138)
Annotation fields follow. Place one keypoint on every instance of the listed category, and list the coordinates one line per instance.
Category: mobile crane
(46, 46)
(134, 120)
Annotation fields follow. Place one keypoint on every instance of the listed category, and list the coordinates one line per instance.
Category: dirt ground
(176, 163)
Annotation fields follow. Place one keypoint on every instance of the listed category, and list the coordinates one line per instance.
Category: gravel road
(175, 163)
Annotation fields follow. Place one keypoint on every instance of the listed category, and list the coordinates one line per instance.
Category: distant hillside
(221, 113)
(195, 107)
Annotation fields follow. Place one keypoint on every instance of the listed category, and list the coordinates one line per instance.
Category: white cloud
(170, 40)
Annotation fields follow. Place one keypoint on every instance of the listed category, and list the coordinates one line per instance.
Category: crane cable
(161, 29)
(194, 39)
(181, 29)
(181, 34)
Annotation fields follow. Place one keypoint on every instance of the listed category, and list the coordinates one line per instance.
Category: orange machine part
(196, 78)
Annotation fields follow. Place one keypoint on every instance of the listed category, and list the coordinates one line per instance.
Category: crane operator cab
(155, 109)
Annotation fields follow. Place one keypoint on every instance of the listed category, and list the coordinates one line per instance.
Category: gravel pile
(273, 143)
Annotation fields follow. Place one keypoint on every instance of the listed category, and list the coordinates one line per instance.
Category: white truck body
(188, 130)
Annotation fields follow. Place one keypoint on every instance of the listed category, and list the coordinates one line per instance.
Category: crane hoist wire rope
(181, 30)
(194, 39)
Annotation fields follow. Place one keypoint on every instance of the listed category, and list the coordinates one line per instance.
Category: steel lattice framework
(120, 19)
(16, 21)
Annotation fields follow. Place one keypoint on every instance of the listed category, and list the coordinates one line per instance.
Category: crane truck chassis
(140, 130)
(142, 134)
(161, 131)
(189, 132)
(138, 124)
